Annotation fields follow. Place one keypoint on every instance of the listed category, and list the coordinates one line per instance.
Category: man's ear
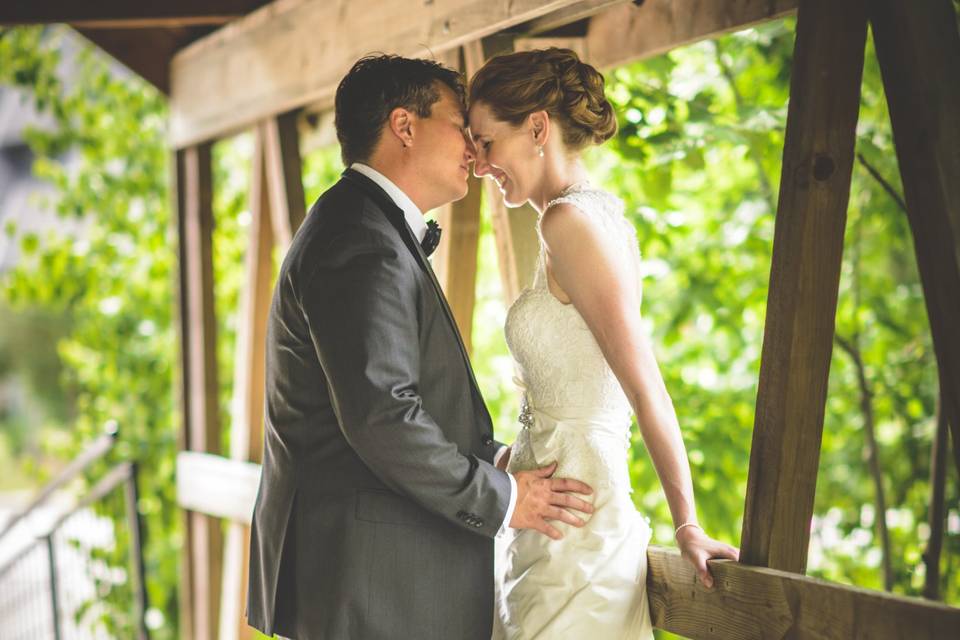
(400, 123)
(539, 123)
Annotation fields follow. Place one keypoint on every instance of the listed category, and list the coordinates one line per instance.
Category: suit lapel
(397, 219)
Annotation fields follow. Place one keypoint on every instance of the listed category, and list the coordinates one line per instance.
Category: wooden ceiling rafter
(144, 38)
(121, 14)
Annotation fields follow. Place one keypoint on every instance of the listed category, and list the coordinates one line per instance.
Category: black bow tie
(431, 238)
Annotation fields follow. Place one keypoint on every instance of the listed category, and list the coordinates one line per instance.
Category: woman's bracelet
(686, 524)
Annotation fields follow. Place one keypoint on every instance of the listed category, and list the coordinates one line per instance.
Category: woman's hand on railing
(697, 547)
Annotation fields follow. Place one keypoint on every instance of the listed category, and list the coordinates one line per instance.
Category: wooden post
(515, 231)
(804, 279)
(200, 573)
(246, 432)
(277, 210)
(937, 511)
(281, 144)
(455, 260)
(919, 52)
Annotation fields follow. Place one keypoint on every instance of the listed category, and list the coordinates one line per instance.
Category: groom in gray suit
(379, 499)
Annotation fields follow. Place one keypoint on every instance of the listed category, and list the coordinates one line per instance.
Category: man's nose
(471, 150)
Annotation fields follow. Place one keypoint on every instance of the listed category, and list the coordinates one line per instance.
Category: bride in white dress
(584, 361)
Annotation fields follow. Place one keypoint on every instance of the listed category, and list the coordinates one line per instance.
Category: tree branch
(852, 349)
(936, 514)
(883, 182)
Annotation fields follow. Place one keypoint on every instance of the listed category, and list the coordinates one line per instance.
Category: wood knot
(823, 167)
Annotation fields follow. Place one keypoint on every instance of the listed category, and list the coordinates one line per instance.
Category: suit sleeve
(362, 313)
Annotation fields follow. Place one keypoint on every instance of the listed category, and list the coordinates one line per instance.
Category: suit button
(487, 441)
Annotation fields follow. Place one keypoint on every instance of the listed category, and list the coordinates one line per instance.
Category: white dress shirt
(414, 218)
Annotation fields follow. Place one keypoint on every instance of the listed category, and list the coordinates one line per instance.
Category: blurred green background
(87, 329)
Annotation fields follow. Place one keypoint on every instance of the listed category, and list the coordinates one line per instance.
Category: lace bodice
(558, 359)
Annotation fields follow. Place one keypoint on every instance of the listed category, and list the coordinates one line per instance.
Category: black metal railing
(83, 576)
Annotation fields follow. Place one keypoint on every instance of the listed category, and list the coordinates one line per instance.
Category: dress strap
(569, 194)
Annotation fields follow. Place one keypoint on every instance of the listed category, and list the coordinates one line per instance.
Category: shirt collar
(412, 214)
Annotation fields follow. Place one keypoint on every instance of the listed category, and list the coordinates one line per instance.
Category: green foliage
(697, 161)
(694, 161)
(114, 279)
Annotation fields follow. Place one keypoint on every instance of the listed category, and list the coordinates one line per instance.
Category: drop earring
(540, 150)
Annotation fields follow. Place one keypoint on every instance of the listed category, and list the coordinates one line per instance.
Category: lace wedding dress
(592, 583)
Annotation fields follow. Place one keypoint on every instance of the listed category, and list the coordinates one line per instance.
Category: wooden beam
(455, 260)
(626, 32)
(246, 434)
(278, 209)
(804, 279)
(937, 509)
(293, 53)
(201, 425)
(751, 602)
(247, 63)
(146, 52)
(568, 15)
(918, 48)
(284, 176)
(122, 14)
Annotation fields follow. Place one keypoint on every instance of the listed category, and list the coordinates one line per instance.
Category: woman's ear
(539, 122)
(401, 126)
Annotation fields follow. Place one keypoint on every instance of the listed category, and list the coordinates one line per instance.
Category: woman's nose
(480, 166)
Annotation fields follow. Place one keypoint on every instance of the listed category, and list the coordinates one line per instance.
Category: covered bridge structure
(273, 67)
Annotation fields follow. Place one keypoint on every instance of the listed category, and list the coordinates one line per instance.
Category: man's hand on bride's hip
(541, 498)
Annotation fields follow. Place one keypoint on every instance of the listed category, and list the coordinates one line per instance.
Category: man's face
(443, 151)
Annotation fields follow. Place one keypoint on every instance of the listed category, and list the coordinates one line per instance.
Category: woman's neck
(556, 179)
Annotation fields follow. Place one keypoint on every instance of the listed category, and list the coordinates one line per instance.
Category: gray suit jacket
(378, 501)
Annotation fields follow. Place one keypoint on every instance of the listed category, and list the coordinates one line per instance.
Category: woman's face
(505, 153)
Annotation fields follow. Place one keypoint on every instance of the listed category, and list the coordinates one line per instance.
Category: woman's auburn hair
(552, 80)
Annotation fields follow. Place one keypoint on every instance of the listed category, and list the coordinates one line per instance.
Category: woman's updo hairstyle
(552, 80)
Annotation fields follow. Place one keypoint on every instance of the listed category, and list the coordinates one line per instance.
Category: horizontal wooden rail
(755, 602)
(216, 486)
(747, 602)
